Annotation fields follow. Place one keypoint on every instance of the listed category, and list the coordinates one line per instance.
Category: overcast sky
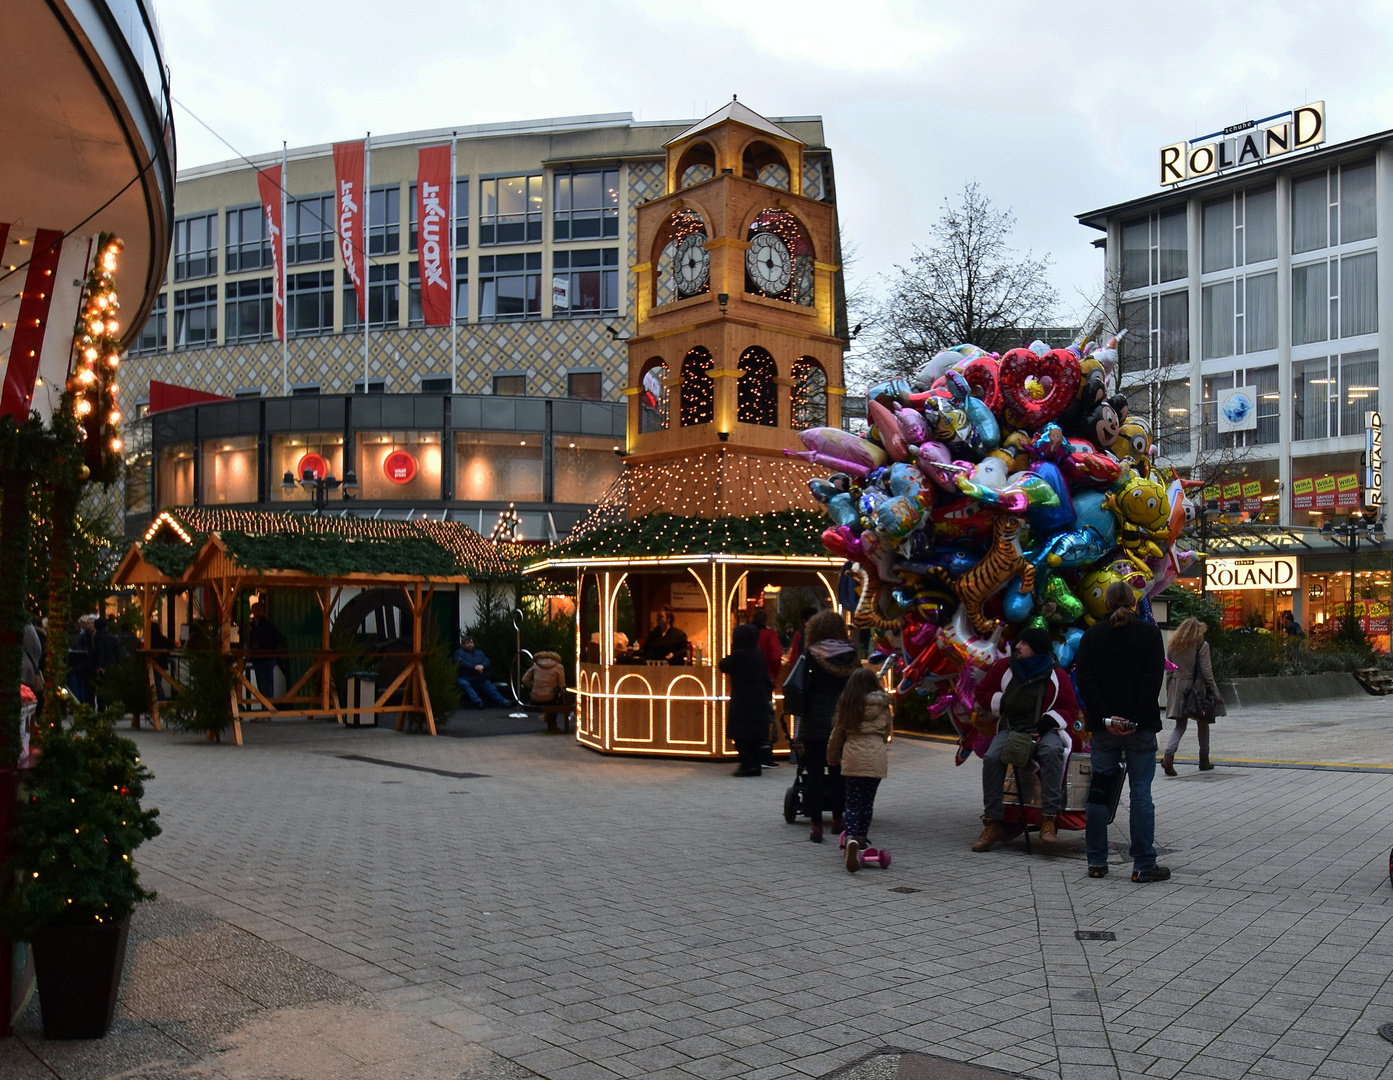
(1056, 108)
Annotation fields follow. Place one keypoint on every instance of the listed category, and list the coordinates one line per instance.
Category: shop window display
(320, 451)
(229, 471)
(499, 467)
(397, 466)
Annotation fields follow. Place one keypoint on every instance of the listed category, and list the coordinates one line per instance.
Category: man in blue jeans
(474, 683)
(1120, 667)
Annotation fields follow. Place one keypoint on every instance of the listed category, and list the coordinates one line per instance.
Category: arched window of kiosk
(589, 607)
(809, 407)
(757, 392)
(652, 396)
(681, 262)
(764, 163)
(697, 165)
(781, 266)
(698, 391)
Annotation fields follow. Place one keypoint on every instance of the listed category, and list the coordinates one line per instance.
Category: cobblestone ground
(566, 915)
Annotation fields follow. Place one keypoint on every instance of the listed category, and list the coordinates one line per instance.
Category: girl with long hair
(1189, 652)
(858, 745)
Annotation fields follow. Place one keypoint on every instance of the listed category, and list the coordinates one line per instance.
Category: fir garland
(788, 532)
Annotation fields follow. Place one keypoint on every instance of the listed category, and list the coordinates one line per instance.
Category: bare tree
(970, 286)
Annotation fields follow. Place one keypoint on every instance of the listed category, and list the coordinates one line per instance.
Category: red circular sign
(399, 467)
(312, 463)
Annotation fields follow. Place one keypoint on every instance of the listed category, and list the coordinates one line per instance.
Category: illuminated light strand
(98, 345)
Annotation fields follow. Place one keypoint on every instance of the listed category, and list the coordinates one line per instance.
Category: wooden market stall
(327, 557)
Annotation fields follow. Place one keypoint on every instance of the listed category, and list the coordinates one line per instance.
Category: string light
(788, 229)
(93, 385)
(756, 392)
(698, 391)
(809, 398)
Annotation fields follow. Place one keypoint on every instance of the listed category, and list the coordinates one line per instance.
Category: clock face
(768, 264)
(692, 264)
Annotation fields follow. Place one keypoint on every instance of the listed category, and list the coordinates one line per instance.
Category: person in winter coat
(1120, 666)
(773, 651)
(1027, 692)
(1189, 652)
(545, 680)
(833, 662)
(863, 726)
(751, 695)
(474, 684)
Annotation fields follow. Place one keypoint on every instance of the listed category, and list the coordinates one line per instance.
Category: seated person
(475, 686)
(665, 641)
(545, 680)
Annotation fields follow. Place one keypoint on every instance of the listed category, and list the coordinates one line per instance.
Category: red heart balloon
(1060, 367)
(984, 376)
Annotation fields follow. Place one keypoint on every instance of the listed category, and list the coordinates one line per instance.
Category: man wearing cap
(1026, 692)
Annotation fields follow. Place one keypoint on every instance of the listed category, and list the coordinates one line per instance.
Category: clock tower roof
(741, 114)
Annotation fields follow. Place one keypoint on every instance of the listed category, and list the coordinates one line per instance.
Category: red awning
(165, 395)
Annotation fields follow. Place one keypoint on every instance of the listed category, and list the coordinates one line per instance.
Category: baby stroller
(795, 802)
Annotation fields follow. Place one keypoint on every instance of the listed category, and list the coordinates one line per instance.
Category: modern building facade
(1259, 335)
(546, 293)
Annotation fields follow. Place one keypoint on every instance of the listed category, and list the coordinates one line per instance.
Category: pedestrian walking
(1120, 667)
(1191, 689)
(751, 697)
(1031, 696)
(832, 662)
(858, 747)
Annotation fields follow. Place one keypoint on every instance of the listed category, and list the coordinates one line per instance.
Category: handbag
(1020, 745)
(796, 686)
(1198, 700)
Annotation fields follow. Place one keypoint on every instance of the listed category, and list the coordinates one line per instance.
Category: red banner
(31, 324)
(349, 166)
(268, 182)
(432, 230)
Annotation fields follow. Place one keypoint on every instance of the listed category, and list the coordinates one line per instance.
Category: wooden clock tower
(735, 349)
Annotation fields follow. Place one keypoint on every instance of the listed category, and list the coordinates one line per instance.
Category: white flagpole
(454, 270)
(367, 216)
(285, 278)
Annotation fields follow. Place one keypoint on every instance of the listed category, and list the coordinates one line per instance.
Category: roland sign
(1274, 573)
(1248, 143)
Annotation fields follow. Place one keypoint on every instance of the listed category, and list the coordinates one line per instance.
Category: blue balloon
(1089, 511)
(1015, 605)
(842, 509)
(1066, 650)
(1048, 520)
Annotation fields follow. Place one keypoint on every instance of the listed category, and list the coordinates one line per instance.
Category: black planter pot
(79, 971)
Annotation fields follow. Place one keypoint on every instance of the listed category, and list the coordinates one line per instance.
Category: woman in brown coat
(1189, 652)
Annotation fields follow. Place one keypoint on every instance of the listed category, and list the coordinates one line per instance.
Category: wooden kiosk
(736, 351)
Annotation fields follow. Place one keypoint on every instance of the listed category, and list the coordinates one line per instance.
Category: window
(510, 210)
(757, 389)
(1359, 294)
(154, 338)
(586, 205)
(249, 311)
(139, 468)
(398, 466)
(1239, 228)
(460, 210)
(196, 247)
(588, 385)
(309, 229)
(383, 307)
(247, 246)
(309, 301)
(698, 400)
(1173, 419)
(585, 282)
(1264, 382)
(1218, 234)
(437, 384)
(1330, 396)
(374, 386)
(229, 470)
(1154, 249)
(174, 475)
(304, 390)
(583, 468)
(809, 398)
(415, 316)
(1333, 207)
(1259, 321)
(510, 286)
(499, 468)
(510, 385)
(652, 397)
(1158, 331)
(320, 450)
(195, 317)
(384, 220)
(1216, 312)
(1260, 224)
(1310, 303)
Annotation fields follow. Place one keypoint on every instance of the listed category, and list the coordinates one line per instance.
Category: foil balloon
(1036, 389)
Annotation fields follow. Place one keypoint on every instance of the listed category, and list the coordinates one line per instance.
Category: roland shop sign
(1278, 572)
(1249, 143)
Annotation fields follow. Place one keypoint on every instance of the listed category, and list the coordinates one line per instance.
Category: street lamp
(1348, 536)
(319, 487)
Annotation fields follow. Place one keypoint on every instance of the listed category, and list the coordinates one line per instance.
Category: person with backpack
(1191, 690)
(863, 726)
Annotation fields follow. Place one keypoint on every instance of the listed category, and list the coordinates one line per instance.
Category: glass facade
(493, 467)
(294, 453)
(229, 470)
(396, 466)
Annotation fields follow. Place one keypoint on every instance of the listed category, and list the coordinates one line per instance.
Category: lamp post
(319, 487)
(1348, 536)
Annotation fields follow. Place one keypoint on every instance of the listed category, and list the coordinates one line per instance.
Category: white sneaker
(853, 854)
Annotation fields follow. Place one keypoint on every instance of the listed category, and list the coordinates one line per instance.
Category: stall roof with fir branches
(326, 546)
(788, 532)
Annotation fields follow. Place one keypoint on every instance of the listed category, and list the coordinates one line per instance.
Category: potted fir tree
(71, 885)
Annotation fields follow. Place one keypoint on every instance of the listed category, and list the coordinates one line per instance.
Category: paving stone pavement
(577, 916)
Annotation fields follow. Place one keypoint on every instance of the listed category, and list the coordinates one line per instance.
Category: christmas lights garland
(787, 532)
(98, 349)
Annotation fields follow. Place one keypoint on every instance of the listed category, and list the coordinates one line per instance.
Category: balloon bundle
(992, 493)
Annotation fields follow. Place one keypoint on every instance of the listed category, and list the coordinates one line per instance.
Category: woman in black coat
(751, 697)
(832, 660)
